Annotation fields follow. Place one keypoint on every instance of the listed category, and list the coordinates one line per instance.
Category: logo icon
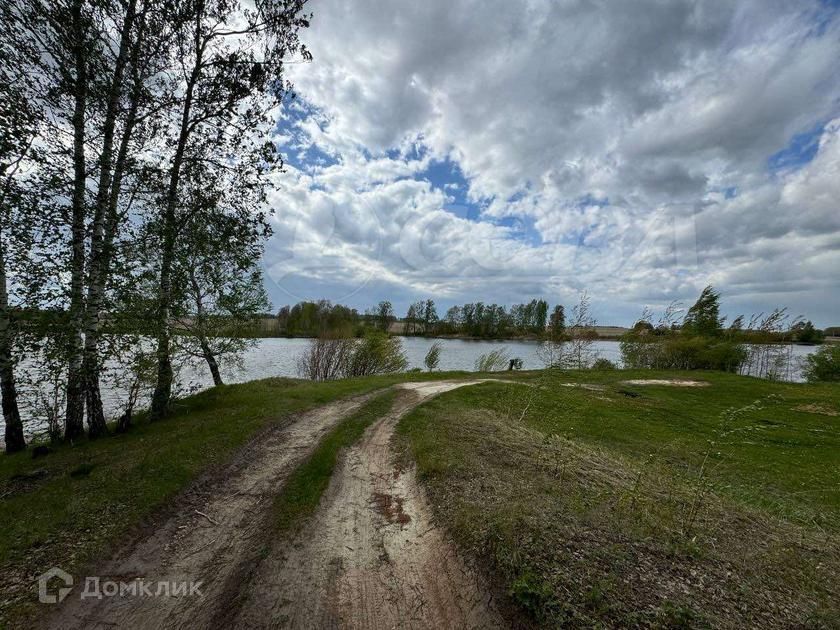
(43, 583)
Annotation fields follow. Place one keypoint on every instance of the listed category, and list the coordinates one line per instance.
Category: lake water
(278, 357)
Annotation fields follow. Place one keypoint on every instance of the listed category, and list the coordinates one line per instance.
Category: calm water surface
(278, 357)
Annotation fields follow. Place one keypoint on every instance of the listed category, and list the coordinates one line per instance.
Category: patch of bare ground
(592, 387)
(585, 538)
(371, 556)
(817, 408)
(212, 534)
(668, 382)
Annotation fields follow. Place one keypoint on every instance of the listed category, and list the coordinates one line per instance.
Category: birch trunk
(211, 362)
(13, 433)
(163, 387)
(74, 419)
(97, 274)
(11, 415)
(200, 318)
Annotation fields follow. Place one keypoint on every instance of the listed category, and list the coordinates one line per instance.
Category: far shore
(603, 333)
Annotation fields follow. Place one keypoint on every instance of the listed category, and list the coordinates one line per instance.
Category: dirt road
(369, 558)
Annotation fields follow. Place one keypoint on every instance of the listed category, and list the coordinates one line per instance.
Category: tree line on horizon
(475, 319)
(695, 338)
(135, 160)
(529, 319)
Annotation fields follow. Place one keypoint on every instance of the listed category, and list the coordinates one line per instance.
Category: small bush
(329, 358)
(603, 364)
(376, 353)
(823, 365)
(533, 593)
(493, 361)
(432, 359)
(681, 352)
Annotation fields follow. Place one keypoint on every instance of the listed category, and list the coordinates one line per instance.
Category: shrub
(681, 352)
(376, 353)
(493, 361)
(603, 364)
(326, 358)
(823, 365)
(329, 358)
(433, 356)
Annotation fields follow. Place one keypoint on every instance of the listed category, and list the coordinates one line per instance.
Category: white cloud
(611, 130)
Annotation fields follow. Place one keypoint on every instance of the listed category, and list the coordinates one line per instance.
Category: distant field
(600, 503)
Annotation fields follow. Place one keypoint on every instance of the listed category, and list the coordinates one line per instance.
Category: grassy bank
(70, 506)
(597, 502)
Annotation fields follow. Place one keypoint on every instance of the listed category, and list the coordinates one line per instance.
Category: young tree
(231, 60)
(703, 319)
(221, 291)
(557, 323)
(823, 365)
(432, 359)
(384, 316)
(376, 353)
(493, 361)
(430, 316)
(326, 358)
(582, 335)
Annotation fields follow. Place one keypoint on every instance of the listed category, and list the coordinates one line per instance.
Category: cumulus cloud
(621, 147)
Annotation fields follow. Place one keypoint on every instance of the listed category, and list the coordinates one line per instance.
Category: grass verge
(598, 503)
(308, 482)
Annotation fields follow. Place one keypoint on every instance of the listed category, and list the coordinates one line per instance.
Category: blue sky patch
(800, 150)
(446, 175)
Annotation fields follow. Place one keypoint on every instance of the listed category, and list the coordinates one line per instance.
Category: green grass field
(626, 505)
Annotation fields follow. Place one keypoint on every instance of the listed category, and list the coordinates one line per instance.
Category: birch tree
(18, 125)
(93, 62)
(231, 61)
(135, 97)
(221, 291)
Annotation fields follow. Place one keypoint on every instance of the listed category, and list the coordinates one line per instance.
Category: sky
(497, 151)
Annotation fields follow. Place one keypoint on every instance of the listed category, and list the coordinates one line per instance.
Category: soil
(370, 557)
(673, 382)
(817, 408)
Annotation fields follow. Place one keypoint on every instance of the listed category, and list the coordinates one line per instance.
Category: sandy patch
(823, 410)
(589, 386)
(670, 382)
